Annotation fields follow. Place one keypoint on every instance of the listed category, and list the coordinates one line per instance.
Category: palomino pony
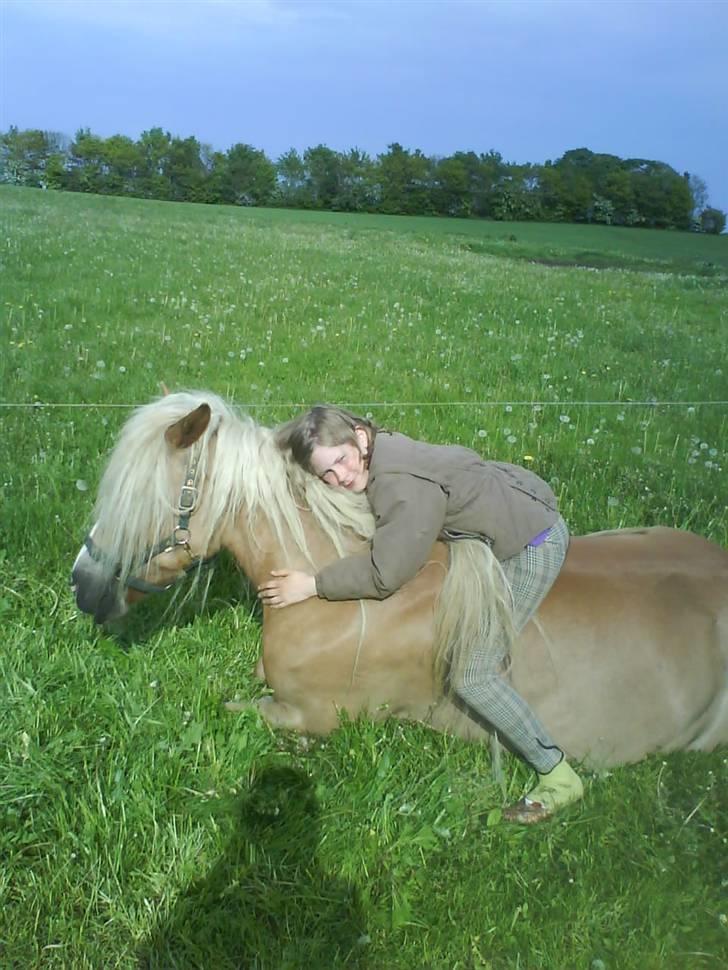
(628, 654)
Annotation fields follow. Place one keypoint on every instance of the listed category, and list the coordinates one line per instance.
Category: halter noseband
(180, 536)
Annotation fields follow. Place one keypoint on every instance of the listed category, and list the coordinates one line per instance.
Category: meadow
(137, 817)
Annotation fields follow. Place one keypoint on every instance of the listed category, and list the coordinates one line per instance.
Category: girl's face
(343, 465)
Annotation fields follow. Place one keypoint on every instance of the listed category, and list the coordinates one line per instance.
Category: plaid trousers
(484, 688)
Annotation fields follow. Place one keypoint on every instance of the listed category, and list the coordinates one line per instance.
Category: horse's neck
(258, 552)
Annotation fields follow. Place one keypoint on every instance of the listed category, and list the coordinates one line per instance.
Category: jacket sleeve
(409, 514)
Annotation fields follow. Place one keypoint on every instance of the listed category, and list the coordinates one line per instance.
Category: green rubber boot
(557, 788)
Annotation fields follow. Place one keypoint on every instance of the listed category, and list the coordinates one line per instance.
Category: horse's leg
(318, 717)
(277, 713)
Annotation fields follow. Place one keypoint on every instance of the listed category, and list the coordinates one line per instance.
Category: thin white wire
(41, 405)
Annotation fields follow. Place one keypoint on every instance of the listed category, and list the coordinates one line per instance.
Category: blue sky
(530, 79)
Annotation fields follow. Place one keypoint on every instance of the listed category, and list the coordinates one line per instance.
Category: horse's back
(655, 548)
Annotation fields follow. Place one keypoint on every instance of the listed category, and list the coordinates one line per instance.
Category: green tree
(485, 172)
(619, 190)
(215, 164)
(123, 160)
(602, 210)
(87, 162)
(662, 196)
(291, 179)
(552, 193)
(451, 190)
(404, 182)
(577, 184)
(184, 170)
(517, 197)
(24, 155)
(356, 182)
(323, 176)
(679, 202)
(712, 220)
(699, 192)
(154, 150)
(251, 176)
(56, 171)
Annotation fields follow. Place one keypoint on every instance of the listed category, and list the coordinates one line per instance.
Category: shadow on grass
(266, 904)
(222, 586)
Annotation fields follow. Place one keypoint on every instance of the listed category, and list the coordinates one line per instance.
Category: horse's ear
(188, 429)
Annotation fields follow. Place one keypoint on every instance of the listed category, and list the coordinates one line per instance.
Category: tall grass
(142, 825)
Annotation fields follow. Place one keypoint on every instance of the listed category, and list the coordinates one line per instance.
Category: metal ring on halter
(182, 530)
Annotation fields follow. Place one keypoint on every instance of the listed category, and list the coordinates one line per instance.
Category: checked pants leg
(484, 688)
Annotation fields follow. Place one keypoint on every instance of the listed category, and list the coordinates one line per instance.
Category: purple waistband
(540, 538)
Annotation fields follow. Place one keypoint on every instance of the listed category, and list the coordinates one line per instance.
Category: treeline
(581, 186)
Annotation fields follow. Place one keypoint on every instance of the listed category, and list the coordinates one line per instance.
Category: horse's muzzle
(96, 593)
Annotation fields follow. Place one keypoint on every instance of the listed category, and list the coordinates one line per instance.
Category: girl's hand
(289, 586)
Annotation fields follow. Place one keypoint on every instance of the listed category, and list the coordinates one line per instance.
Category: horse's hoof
(237, 705)
(525, 812)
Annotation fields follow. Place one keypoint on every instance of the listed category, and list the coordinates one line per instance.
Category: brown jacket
(420, 492)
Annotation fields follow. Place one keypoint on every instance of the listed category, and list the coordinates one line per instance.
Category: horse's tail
(474, 608)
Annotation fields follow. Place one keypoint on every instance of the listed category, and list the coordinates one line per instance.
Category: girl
(418, 493)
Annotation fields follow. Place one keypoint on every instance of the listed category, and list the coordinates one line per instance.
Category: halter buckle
(187, 498)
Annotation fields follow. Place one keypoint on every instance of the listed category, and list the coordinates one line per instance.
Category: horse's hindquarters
(628, 655)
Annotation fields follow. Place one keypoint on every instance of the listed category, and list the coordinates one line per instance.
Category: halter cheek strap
(189, 495)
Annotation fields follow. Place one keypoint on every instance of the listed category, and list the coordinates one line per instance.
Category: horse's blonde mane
(240, 467)
(474, 608)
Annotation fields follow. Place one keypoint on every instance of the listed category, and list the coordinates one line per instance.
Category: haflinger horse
(628, 654)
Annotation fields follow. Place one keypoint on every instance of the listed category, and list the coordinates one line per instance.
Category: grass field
(136, 815)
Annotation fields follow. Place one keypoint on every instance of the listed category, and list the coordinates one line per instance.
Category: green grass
(142, 825)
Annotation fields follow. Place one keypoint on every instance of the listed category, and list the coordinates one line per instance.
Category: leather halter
(180, 536)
